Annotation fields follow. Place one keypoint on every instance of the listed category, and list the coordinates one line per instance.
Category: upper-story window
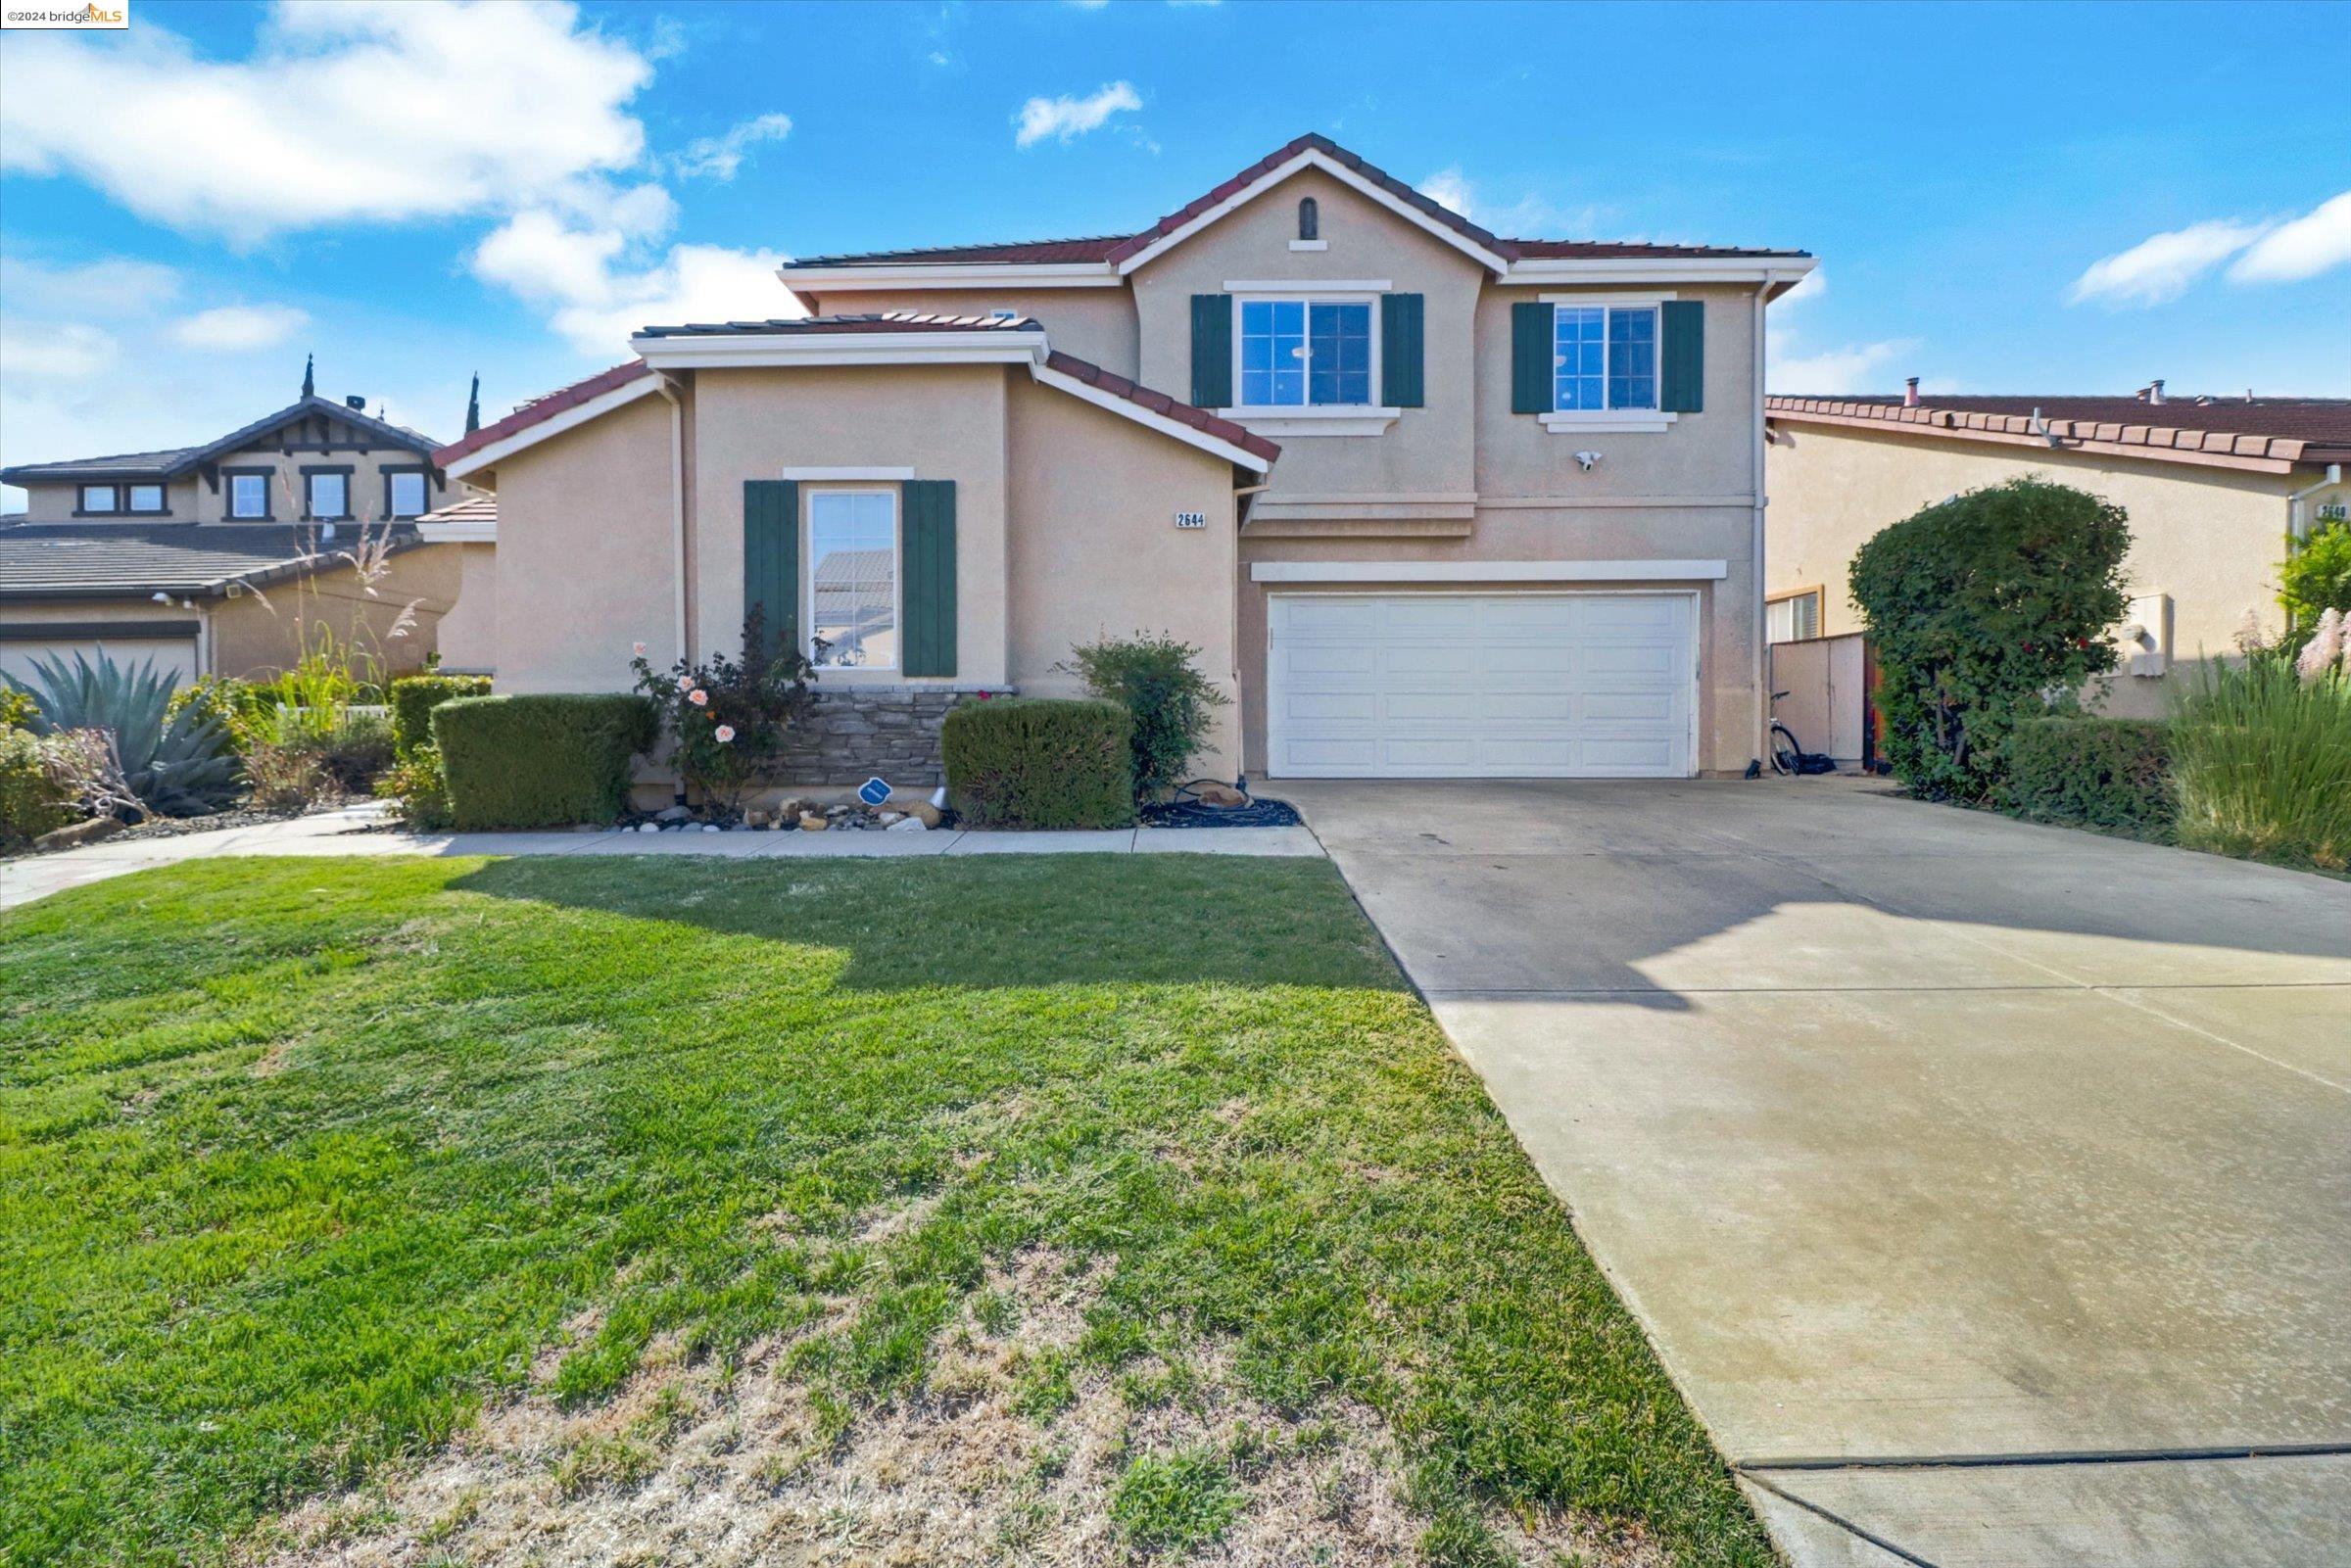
(1310, 218)
(403, 493)
(144, 498)
(99, 499)
(1604, 357)
(1306, 352)
(326, 494)
(249, 495)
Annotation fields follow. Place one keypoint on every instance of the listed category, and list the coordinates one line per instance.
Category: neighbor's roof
(118, 560)
(475, 509)
(1115, 248)
(556, 402)
(179, 460)
(2194, 428)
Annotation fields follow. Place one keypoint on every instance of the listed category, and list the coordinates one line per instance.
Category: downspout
(1759, 630)
(667, 386)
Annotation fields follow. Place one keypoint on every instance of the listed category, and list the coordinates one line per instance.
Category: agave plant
(179, 765)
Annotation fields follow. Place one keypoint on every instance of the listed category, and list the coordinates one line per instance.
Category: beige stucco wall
(255, 634)
(1095, 324)
(185, 502)
(584, 554)
(467, 635)
(2210, 538)
(1427, 450)
(179, 655)
(1095, 551)
(190, 499)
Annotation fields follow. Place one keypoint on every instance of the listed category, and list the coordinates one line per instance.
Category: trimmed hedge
(1042, 762)
(414, 700)
(2109, 774)
(544, 761)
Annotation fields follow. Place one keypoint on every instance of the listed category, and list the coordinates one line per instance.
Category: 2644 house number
(1191, 520)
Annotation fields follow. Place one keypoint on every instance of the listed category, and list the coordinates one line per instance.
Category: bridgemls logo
(56, 14)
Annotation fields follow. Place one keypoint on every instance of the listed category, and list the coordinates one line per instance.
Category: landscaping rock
(890, 818)
(1218, 794)
(78, 833)
(649, 827)
(908, 825)
(811, 823)
(924, 812)
(673, 814)
(709, 827)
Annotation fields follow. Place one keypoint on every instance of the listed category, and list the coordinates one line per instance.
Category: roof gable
(181, 460)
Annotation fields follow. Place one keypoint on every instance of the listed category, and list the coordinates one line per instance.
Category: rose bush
(728, 720)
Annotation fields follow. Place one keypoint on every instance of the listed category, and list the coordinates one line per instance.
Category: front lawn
(1063, 1209)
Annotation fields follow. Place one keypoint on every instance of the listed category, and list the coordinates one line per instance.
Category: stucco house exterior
(1430, 502)
(2214, 486)
(224, 558)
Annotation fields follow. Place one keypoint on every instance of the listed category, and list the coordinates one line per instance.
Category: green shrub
(728, 720)
(354, 753)
(1172, 705)
(1977, 607)
(15, 709)
(2261, 760)
(2314, 579)
(246, 713)
(415, 696)
(1042, 762)
(34, 797)
(542, 761)
(419, 788)
(2108, 774)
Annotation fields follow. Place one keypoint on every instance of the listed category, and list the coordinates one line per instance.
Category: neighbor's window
(1792, 619)
(1604, 357)
(853, 579)
(1296, 351)
(405, 494)
(249, 495)
(98, 499)
(146, 497)
(329, 495)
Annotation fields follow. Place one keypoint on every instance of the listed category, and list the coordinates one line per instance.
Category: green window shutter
(927, 549)
(771, 557)
(1682, 356)
(1399, 353)
(1530, 359)
(1212, 350)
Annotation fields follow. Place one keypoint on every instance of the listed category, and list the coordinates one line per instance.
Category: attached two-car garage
(1507, 683)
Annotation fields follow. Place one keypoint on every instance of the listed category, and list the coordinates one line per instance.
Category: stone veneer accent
(854, 732)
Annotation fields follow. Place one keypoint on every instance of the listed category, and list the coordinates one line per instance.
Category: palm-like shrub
(177, 764)
(2261, 759)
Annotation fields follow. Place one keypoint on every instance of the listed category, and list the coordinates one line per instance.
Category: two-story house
(235, 556)
(1431, 503)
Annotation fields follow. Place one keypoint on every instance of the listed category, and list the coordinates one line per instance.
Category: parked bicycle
(1787, 757)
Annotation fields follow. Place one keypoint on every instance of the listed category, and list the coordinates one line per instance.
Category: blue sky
(2004, 199)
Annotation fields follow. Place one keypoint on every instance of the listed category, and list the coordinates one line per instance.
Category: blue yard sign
(873, 791)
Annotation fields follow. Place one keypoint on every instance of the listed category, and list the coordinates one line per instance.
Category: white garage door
(1460, 686)
(173, 656)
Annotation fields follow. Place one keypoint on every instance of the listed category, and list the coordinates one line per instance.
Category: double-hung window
(1306, 353)
(249, 495)
(1603, 357)
(853, 579)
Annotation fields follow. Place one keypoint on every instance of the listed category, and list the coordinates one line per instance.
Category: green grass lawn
(1046, 1208)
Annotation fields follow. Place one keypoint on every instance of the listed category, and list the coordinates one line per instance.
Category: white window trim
(1312, 419)
(898, 578)
(1310, 245)
(830, 476)
(1608, 421)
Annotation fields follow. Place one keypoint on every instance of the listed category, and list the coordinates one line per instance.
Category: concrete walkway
(1987, 1188)
(358, 831)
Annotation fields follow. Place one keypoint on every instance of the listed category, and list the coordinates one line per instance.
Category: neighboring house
(2214, 487)
(1514, 528)
(225, 558)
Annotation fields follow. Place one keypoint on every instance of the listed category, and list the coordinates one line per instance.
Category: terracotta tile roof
(2288, 429)
(826, 326)
(540, 409)
(127, 560)
(1115, 248)
(1159, 403)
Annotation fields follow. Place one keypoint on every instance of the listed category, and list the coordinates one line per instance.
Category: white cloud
(2316, 242)
(1066, 119)
(56, 350)
(1450, 189)
(2160, 269)
(1854, 367)
(1812, 286)
(356, 111)
(595, 298)
(113, 285)
(240, 328)
(721, 157)
(1454, 191)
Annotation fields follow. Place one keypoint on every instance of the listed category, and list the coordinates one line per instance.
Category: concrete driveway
(1986, 1187)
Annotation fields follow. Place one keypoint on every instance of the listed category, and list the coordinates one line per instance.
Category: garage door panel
(1469, 685)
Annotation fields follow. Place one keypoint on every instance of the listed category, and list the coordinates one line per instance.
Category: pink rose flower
(639, 647)
(685, 683)
(725, 733)
(699, 697)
